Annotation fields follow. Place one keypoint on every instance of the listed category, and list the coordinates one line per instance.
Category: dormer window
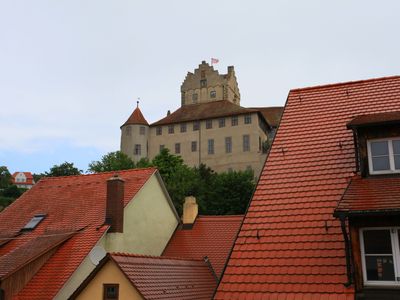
(384, 156)
(34, 222)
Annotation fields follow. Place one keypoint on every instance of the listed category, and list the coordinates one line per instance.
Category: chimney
(168, 112)
(190, 211)
(115, 204)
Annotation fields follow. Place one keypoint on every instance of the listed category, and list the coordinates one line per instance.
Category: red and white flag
(214, 61)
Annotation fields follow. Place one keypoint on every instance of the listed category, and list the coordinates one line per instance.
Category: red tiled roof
(71, 204)
(167, 278)
(202, 111)
(379, 194)
(29, 178)
(375, 119)
(290, 246)
(211, 236)
(271, 114)
(136, 118)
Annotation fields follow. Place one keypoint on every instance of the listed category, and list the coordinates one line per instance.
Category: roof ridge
(344, 83)
(94, 174)
(220, 216)
(154, 256)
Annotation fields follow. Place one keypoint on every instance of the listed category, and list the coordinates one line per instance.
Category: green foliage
(37, 177)
(112, 161)
(64, 169)
(5, 201)
(13, 191)
(216, 194)
(5, 177)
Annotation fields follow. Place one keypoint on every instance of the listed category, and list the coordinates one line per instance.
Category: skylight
(34, 222)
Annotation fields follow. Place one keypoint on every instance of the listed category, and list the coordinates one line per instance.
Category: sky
(71, 70)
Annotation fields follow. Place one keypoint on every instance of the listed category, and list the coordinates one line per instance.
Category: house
(23, 180)
(324, 220)
(209, 128)
(128, 276)
(204, 236)
(54, 235)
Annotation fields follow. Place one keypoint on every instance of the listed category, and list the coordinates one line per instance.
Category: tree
(112, 161)
(5, 177)
(64, 169)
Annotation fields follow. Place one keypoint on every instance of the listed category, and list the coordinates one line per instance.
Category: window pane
(380, 163)
(380, 268)
(377, 242)
(397, 162)
(379, 148)
(396, 147)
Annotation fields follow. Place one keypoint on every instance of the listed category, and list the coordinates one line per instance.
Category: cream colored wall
(220, 161)
(149, 222)
(109, 273)
(128, 141)
(79, 275)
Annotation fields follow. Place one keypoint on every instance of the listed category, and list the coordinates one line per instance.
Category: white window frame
(391, 156)
(394, 236)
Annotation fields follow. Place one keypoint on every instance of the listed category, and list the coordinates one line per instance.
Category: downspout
(347, 248)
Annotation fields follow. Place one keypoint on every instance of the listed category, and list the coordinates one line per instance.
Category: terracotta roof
(167, 278)
(71, 204)
(371, 195)
(29, 251)
(375, 119)
(29, 178)
(211, 236)
(136, 118)
(271, 114)
(290, 246)
(201, 111)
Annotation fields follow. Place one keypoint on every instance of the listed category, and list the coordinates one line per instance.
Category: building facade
(209, 128)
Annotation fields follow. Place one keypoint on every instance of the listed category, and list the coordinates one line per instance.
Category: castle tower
(206, 85)
(134, 136)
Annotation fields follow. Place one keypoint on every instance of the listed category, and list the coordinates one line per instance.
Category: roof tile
(305, 176)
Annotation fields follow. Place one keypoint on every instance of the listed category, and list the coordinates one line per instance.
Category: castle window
(142, 130)
(159, 130)
(246, 143)
(138, 149)
(384, 156)
(162, 147)
(203, 83)
(128, 130)
(196, 125)
(211, 146)
(171, 129)
(208, 124)
(194, 97)
(380, 251)
(221, 122)
(194, 146)
(247, 119)
(177, 148)
(213, 94)
(183, 127)
(228, 144)
(235, 120)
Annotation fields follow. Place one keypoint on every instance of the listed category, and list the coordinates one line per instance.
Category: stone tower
(134, 136)
(206, 85)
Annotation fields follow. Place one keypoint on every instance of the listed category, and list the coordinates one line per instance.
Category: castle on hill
(209, 128)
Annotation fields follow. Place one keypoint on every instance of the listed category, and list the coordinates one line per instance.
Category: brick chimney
(190, 211)
(115, 204)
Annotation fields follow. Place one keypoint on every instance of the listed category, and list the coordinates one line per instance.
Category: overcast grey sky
(70, 71)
